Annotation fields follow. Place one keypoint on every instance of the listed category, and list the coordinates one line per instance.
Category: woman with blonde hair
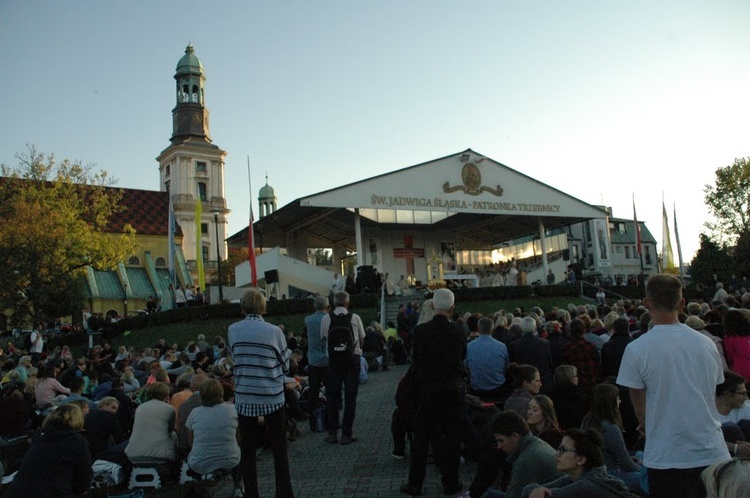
(58, 463)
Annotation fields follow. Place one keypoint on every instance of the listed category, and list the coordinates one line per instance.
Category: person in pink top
(48, 388)
(737, 341)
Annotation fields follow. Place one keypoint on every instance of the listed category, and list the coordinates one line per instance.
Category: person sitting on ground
(48, 388)
(604, 416)
(186, 407)
(531, 350)
(734, 414)
(526, 385)
(542, 420)
(580, 457)
(583, 355)
(486, 360)
(105, 433)
(212, 431)
(614, 348)
(737, 341)
(59, 461)
(153, 437)
(532, 459)
(570, 402)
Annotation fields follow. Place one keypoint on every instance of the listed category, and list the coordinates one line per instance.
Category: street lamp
(218, 253)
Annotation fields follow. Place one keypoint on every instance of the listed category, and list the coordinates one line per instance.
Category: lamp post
(218, 253)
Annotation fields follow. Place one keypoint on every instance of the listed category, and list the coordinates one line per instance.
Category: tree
(742, 255)
(53, 224)
(710, 258)
(729, 201)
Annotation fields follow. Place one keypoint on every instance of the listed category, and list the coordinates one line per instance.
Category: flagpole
(638, 243)
(250, 234)
(677, 240)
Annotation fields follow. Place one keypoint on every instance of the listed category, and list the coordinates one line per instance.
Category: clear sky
(601, 100)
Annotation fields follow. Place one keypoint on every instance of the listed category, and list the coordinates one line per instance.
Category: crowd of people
(601, 400)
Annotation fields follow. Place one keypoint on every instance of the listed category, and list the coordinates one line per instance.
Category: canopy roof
(481, 201)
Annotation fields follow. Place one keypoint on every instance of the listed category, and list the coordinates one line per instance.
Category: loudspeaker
(272, 276)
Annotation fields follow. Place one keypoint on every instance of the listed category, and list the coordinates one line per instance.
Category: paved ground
(365, 468)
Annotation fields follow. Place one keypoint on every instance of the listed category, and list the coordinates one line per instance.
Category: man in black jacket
(439, 350)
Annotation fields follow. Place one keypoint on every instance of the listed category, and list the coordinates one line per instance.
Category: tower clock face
(197, 119)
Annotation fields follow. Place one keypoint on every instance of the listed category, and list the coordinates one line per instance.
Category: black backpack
(340, 341)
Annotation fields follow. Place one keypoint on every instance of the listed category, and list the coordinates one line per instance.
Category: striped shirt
(261, 357)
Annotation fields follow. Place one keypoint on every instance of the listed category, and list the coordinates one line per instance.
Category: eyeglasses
(562, 449)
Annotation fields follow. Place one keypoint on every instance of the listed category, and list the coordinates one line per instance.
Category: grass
(182, 333)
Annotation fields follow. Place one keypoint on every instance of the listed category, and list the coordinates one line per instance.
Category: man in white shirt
(672, 372)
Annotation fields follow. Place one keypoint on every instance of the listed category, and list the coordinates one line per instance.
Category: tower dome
(266, 199)
(189, 64)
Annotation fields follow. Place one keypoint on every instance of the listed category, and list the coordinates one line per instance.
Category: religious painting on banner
(448, 254)
(602, 241)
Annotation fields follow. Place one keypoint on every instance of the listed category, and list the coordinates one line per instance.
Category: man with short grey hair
(438, 361)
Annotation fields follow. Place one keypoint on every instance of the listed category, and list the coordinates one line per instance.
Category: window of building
(627, 252)
(166, 170)
(160, 261)
(618, 249)
(202, 191)
(205, 253)
(166, 186)
(134, 261)
(647, 253)
(204, 228)
(200, 167)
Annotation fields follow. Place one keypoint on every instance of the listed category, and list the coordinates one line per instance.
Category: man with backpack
(344, 333)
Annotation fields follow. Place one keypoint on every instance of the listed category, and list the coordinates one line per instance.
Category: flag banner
(667, 258)
(677, 239)
(199, 244)
(170, 241)
(637, 227)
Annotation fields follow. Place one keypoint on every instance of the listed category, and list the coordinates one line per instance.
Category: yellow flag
(199, 245)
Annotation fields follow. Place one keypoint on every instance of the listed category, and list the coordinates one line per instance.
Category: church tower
(192, 167)
(266, 200)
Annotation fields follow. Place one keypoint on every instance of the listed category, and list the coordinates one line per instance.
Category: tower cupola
(190, 116)
(266, 199)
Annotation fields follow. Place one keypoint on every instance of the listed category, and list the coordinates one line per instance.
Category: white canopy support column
(543, 240)
(358, 238)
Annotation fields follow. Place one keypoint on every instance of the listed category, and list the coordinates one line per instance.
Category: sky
(606, 101)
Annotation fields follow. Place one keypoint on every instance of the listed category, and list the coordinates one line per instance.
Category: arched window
(134, 261)
(160, 261)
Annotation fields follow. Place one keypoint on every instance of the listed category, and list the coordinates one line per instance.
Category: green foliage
(710, 258)
(53, 222)
(729, 201)
(742, 255)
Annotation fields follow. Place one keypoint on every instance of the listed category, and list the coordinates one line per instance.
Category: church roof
(189, 63)
(146, 210)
